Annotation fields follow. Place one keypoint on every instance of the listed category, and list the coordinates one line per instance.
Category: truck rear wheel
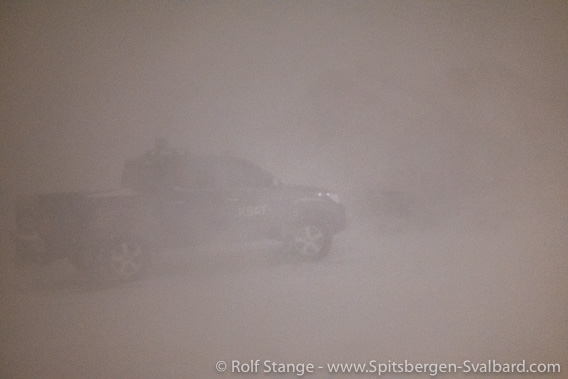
(123, 259)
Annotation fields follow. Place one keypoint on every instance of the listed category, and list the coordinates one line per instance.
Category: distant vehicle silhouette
(170, 200)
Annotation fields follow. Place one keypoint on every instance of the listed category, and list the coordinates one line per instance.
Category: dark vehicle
(170, 202)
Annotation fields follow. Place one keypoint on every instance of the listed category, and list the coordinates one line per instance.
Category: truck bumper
(339, 221)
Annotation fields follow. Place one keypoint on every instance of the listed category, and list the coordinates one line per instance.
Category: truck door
(196, 209)
(248, 197)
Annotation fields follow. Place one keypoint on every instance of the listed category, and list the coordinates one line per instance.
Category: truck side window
(196, 175)
(245, 175)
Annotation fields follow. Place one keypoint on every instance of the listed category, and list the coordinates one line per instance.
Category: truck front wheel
(310, 240)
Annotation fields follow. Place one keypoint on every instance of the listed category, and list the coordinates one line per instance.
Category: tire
(310, 240)
(123, 260)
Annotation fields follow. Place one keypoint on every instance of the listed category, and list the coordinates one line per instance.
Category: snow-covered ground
(479, 285)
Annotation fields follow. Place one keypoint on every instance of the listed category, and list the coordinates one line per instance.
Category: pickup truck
(175, 201)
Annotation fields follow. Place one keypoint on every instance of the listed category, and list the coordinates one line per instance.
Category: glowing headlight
(333, 197)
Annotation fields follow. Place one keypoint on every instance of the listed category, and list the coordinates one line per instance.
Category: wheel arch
(313, 210)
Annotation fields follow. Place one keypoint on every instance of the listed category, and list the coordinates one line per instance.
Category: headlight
(333, 197)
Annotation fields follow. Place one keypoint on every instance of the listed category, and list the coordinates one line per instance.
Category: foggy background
(441, 124)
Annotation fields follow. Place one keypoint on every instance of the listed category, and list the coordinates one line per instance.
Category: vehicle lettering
(251, 211)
